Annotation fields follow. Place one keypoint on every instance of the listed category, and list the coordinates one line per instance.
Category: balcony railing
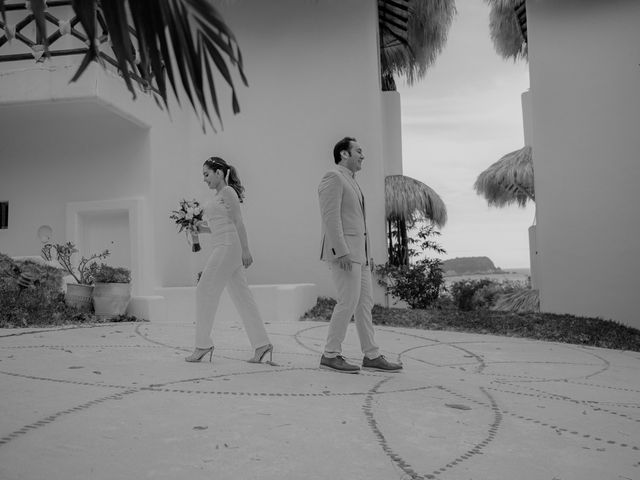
(20, 39)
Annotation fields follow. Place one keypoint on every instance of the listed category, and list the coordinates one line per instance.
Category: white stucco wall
(66, 146)
(313, 75)
(392, 133)
(52, 154)
(527, 124)
(585, 81)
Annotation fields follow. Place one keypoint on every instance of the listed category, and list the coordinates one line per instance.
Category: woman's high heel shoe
(260, 354)
(199, 353)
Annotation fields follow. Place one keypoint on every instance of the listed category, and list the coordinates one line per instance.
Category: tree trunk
(403, 241)
(390, 243)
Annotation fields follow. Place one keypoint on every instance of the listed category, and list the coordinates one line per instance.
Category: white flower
(189, 216)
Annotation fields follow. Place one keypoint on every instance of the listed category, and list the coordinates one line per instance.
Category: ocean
(511, 274)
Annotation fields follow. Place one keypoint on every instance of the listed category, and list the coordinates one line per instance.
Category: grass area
(23, 311)
(32, 308)
(38, 302)
(72, 317)
(539, 326)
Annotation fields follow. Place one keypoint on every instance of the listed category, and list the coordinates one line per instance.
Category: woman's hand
(202, 227)
(247, 259)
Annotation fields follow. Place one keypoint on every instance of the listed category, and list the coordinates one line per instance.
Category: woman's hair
(229, 172)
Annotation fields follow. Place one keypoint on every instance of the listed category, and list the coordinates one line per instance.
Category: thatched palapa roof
(409, 199)
(509, 180)
(428, 23)
(508, 27)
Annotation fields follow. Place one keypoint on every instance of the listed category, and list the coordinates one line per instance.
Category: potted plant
(77, 294)
(111, 290)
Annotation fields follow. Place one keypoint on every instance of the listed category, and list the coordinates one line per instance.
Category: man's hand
(344, 262)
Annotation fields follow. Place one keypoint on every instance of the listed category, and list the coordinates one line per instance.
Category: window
(4, 215)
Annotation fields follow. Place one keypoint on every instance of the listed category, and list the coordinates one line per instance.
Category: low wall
(277, 303)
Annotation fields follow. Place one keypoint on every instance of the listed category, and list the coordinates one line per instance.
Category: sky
(463, 116)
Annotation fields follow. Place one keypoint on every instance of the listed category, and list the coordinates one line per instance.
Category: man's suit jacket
(344, 229)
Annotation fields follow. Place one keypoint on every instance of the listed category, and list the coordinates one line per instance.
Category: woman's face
(211, 178)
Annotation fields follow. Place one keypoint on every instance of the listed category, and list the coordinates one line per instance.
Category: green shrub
(322, 310)
(47, 278)
(419, 284)
(444, 301)
(482, 293)
(106, 274)
(463, 292)
(40, 303)
(487, 296)
(541, 326)
(484, 297)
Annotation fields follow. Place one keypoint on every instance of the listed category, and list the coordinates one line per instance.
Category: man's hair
(344, 144)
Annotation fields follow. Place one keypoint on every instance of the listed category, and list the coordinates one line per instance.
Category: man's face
(354, 157)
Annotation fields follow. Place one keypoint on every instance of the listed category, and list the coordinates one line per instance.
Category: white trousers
(224, 269)
(355, 298)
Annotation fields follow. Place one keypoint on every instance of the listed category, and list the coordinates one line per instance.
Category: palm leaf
(115, 17)
(158, 40)
(526, 300)
(152, 59)
(506, 30)
(427, 29)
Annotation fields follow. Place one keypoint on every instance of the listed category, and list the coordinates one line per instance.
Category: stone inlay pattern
(465, 407)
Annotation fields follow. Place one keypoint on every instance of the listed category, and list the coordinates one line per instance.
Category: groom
(345, 247)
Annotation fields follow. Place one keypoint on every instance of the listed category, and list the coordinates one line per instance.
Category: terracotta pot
(111, 299)
(79, 296)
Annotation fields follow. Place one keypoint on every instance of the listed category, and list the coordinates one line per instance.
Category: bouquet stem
(195, 242)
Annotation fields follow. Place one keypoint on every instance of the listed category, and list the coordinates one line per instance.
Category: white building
(583, 110)
(104, 171)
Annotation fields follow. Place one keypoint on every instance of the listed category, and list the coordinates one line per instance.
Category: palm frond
(509, 180)
(427, 30)
(408, 199)
(527, 300)
(393, 18)
(506, 32)
(182, 41)
(503, 3)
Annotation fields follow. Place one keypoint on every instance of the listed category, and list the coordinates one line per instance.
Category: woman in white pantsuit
(225, 265)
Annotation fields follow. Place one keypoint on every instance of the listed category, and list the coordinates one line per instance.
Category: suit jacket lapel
(356, 188)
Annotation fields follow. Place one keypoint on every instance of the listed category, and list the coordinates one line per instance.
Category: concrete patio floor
(117, 401)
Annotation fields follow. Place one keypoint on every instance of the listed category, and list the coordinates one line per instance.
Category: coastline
(513, 274)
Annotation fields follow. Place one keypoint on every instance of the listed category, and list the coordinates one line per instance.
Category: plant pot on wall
(79, 296)
(111, 299)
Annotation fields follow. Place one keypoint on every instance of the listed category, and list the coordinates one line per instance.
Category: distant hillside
(468, 265)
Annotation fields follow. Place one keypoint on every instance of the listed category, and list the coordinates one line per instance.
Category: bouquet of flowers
(187, 217)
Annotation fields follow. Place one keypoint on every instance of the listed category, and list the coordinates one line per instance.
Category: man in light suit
(345, 247)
